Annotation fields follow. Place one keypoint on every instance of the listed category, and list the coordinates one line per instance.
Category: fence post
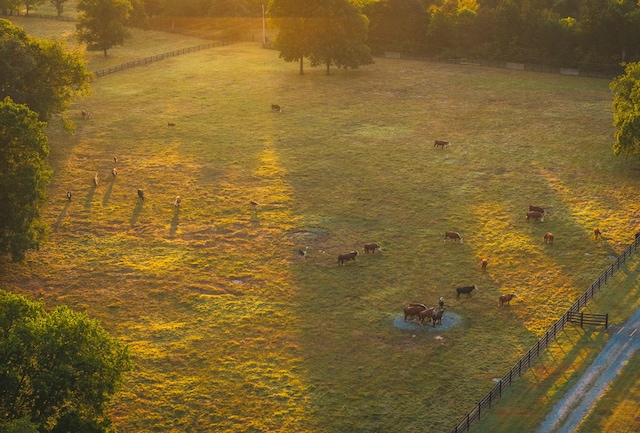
(606, 321)
(582, 320)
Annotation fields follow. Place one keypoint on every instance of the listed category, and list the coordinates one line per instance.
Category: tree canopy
(329, 32)
(102, 23)
(58, 369)
(40, 72)
(626, 110)
(24, 176)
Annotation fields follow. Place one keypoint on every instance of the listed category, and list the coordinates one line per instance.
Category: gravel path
(568, 413)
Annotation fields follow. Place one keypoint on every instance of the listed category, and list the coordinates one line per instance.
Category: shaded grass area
(232, 330)
(525, 404)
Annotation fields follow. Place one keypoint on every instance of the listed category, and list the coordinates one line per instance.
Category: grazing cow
(505, 299)
(276, 107)
(96, 181)
(114, 172)
(177, 201)
(254, 204)
(441, 302)
(141, 194)
(303, 253)
(437, 317)
(413, 310)
(426, 314)
(115, 159)
(548, 238)
(347, 256)
(483, 264)
(537, 209)
(453, 235)
(597, 233)
(536, 215)
(69, 195)
(442, 143)
(465, 289)
(371, 248)
(171, 124)
(85, 114)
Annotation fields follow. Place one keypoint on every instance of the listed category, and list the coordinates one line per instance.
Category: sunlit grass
(230, 328)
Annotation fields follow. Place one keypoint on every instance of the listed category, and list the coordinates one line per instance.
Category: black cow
(465, 289)
(442, 143)
(141, 194)
(347, 256)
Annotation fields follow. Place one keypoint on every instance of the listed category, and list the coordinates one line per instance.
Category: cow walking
(347, 256)
(141, 194)
(483, 264)
(505, 299)
(465, 290)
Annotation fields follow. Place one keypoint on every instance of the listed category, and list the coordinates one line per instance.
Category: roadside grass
(231, 330)
(525, 404)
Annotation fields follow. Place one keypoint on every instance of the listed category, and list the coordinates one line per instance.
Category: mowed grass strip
(230, 328)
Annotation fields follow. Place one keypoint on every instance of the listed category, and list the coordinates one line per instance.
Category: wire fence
(525, 362)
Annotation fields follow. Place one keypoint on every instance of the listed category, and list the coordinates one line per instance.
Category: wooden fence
(147, 60)
(525, 362)
(589, 319)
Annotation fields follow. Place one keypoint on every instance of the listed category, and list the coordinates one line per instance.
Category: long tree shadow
(136, 212)
(174, 222)
(62, 215)
(107, 194)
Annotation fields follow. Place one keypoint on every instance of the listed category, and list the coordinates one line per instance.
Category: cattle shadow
(62, 215)
(136, 212)
(107, 194)
(87, 202)
(174, 222)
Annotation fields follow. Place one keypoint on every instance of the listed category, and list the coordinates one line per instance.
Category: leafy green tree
(293, 19)
(102, 23)
(58, 369)
(59, 5)
(626, 110)
(39, 72)
(24, 176)
(330, 32)
(31, 4)
(396, 25)
(339, 33)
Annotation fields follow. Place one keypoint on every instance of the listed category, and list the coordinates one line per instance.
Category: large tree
(58, 369)
(339, 36)
(626, 110)
(102, 23)
(40, 73)
(330, 32)
(59, 5)
(24, 176)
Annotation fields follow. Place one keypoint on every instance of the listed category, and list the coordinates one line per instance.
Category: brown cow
(453, 235)
(413, 310)
(597, 233)
(141, 194)
(505, 299)
(114, 172)
(483, 264)
(371, 248)
(177, 201)
(537, 209)
(347, 256)
(85, 114)
(276, 107)
(548, 238)
(536, 215)
(96, 181)
(426, 314)
(442, 143)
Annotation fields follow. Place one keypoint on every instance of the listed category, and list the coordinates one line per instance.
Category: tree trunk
(105, 52)
(301, 67)
(328, 65)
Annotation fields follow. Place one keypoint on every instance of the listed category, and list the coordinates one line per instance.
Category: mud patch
(449, 320)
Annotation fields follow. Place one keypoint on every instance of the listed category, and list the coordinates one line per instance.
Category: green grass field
(230, 329)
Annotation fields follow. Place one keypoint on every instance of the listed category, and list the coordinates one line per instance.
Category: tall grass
(232, 330)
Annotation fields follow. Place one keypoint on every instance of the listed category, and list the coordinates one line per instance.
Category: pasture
(231, 330)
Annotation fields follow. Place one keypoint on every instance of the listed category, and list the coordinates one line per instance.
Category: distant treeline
(586, 34)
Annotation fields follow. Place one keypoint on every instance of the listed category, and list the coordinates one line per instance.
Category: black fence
(147, 60)
(525, 362)
(589, 319)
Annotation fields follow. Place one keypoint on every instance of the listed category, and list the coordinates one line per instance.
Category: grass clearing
(230, 329)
